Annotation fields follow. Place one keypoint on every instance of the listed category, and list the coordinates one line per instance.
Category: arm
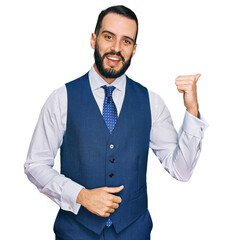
(46, 140)
(178, 153)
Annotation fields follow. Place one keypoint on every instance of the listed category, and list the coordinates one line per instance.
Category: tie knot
(108, 90)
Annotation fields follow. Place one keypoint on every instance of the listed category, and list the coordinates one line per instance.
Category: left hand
(187, 84)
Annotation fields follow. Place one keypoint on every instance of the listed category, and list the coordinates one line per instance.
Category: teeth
(114, 59)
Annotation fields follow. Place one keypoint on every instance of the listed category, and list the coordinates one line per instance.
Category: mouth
(113, 60)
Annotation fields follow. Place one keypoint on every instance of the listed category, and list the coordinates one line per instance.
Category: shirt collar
(96, 81)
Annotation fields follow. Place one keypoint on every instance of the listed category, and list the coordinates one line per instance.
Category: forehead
(119, 25)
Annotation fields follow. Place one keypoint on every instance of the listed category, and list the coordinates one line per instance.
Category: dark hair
(121, 10)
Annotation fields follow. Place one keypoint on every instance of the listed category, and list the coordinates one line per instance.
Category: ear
(134, 49)
(93, 39)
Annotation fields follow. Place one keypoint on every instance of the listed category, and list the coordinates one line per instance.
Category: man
(104, 124)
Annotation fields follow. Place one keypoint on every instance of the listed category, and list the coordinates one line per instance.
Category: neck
(108, 80)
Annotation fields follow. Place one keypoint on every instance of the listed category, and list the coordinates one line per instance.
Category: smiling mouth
(114, 58)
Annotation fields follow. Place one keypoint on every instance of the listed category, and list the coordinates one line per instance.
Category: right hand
(100, 201)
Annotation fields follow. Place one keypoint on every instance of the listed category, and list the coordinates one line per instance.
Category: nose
(116, 46)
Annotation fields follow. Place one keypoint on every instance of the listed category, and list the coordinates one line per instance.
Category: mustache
(113, 53)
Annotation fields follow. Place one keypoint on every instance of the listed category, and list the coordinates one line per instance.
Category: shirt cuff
(193, 125)
(69, 196)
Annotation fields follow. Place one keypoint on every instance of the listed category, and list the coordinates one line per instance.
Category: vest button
(111, 146)
(113, 160)
(111, 175)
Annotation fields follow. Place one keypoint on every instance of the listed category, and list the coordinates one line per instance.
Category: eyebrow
(106, 31)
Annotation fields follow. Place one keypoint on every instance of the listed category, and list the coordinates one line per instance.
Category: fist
(100, 201)
(187, 84)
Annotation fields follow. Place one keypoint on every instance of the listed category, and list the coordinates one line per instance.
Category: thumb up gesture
(187, 84)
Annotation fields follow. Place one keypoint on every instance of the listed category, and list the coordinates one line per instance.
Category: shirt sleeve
(46, 141)
(177, 152)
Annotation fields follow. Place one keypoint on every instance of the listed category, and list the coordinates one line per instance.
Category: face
(114, 46)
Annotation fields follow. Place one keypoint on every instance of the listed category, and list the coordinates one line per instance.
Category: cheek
(104, 47)
(128, 53)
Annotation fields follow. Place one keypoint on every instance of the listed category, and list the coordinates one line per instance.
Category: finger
(116, 199)
(181, 91)
(115, 205)
(184, 87)
(188, 77)
(102, 213)
(197, 76)
(112, 204)
(113, 189)
(113, 198)
(105, 214)
(110, 210)
(185, 82)
(185, 77)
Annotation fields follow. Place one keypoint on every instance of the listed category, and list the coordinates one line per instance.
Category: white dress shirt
(178, 153)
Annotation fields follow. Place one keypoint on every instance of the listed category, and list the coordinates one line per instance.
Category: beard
(110, 72)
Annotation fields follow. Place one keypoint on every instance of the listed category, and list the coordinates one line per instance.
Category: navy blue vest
(94, 158)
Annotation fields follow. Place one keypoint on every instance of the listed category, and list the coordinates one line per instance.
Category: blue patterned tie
(109, 108)
(110, 117)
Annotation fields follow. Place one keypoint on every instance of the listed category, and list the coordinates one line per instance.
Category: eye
(108, 37)
(127, 42)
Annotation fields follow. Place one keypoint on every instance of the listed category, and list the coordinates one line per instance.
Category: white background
(44, 44)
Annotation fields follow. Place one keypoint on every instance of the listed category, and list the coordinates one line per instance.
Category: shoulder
(158, 107)
(56, 101)
(77, 81)
(155, 99)
(58, 94)
(135, 84)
